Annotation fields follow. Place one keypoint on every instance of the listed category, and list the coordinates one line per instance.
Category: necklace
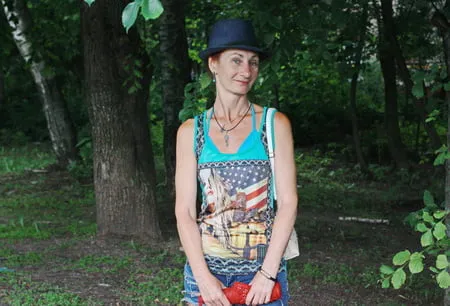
(226, 137)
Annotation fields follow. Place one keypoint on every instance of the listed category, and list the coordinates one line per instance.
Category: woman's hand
(211, 292)
(261, 290)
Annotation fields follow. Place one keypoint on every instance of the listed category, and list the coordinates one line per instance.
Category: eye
(254, 64)
(237, 61)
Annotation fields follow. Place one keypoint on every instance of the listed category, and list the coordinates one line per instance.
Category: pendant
(226, 137)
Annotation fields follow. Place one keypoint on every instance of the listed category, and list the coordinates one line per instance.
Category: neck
(231, 108)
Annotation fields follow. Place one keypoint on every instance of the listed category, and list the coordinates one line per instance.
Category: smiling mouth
(243, 82)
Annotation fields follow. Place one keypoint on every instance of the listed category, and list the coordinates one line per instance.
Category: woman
(237, 236)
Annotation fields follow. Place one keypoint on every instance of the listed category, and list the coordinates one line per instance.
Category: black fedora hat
(232, 34)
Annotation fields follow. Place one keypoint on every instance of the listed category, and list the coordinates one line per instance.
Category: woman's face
(235, 70)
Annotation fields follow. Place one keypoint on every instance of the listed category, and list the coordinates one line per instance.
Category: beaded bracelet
(266, 274)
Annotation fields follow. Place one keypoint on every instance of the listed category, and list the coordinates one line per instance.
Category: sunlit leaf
(426, 239)
(386, 269)
(439, 231)
(434, 269)
(151, 9)
(440, 214)
(89, 2)
(386, 283)
(443, 279)
(416, 263)
(401, 257)
(421, 227)
(427, 217)
(441, 261)
(129, 14)
(398, 278)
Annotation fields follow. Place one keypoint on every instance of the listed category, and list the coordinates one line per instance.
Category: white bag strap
(271, 145)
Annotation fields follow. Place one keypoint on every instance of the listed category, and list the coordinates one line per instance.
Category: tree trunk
(2, 89)
(175, 75)
(60, 127)
(391, 36)
(276, 93)
(354, 83)
(443, 24)
(387, 61)
(124, 173)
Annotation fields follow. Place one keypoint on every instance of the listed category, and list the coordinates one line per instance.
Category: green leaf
(386, 283)
(447, 86)
(204, 80)
(441, 261)
(268, 38)
(439, 231)
(434, 270)
(439, 214)
(89, 2)
(398, 278)
(151, 9)
(416, 263)
(427, 217)
(386, 270)
(401, 257)
(421, 227)
(443, 279)
(417, 90)
(427, 239)
(428, 198)
(129, 14)
(276, 22)
(441, 158)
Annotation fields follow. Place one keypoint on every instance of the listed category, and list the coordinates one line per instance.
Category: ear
(212, 64)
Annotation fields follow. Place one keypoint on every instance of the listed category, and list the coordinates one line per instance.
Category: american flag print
(232, 217)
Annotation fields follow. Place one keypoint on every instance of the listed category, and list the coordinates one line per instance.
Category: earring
(214, 77)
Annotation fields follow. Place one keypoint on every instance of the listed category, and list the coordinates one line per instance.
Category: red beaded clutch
(237, 293)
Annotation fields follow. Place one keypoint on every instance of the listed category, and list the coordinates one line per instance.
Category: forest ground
(49, 254)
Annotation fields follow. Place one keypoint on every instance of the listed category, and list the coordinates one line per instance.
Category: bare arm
(185, 211)
(286, 186)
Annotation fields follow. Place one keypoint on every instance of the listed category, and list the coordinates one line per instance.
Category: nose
(246, 69)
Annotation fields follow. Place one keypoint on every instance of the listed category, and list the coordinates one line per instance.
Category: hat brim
(211, 51)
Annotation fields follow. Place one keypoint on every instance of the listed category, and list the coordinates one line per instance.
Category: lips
(244, 83)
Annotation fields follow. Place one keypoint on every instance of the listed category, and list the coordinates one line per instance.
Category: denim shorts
(191, 291)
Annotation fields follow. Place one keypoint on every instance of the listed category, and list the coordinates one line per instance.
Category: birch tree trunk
(175, 75)
(60, 127)
(117, 78)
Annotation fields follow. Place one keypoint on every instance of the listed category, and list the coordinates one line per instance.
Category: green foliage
(434, 241)
(150, 9)
(198, 95)
(25, 292)
(20, 159)
(83, 168)
(107, 264)
(153, 287)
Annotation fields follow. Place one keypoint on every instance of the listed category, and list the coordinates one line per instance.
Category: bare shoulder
(282, 121)
(186, 128)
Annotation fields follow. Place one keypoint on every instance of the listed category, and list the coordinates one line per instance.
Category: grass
(19, 159)
(22, 291)
(47, 238)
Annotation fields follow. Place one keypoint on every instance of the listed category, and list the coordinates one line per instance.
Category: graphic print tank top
(236, 215)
